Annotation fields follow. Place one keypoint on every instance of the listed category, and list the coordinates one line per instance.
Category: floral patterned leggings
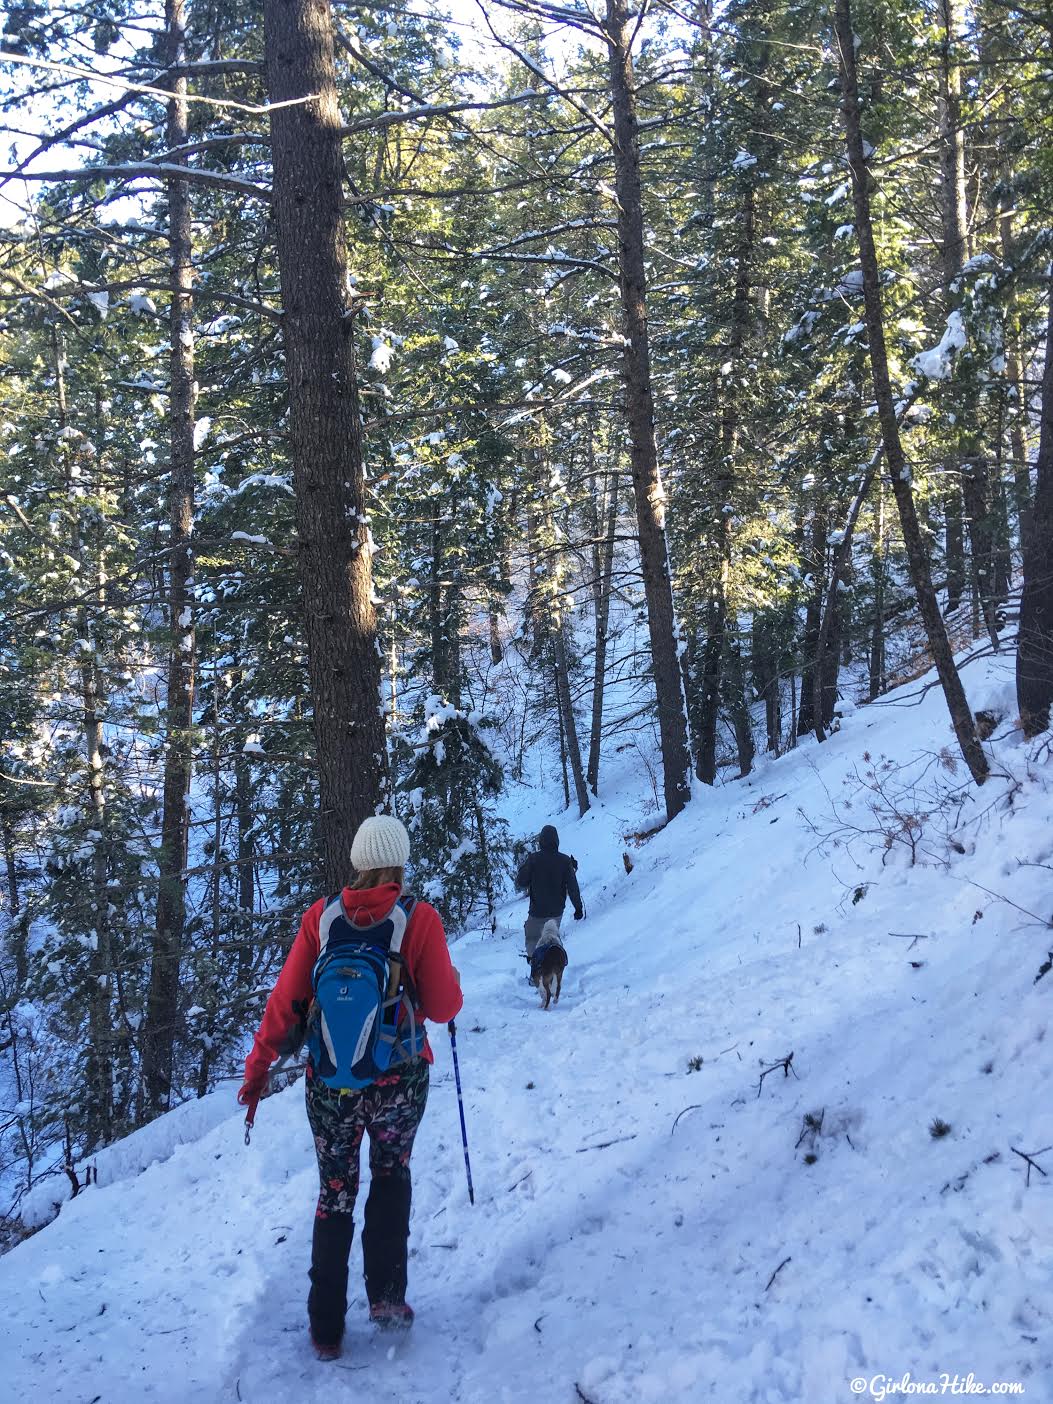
(389, 1111)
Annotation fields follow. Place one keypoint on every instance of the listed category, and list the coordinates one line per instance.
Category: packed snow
(937, 361)
(668, 1205)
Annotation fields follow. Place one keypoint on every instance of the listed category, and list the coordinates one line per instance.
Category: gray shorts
(532, 929)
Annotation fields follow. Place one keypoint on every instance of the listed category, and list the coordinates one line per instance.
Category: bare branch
(381, 120)
(159, 170)
(107, 80)
(539, 72)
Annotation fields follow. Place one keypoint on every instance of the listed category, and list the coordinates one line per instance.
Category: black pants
(389, 1112)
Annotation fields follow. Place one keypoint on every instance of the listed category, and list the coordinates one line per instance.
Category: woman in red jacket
(388, 1110)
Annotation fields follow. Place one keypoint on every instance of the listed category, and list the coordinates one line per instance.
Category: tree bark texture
(954, 218)
(570, 724)
(766, 682)
(162, 1005)
(603, 567)
(99, 1071)
(917, 556)
(1034, 659)
(878, 567)
(739, 710)
(325, 423)
(717, 643)
(976, 493)
(636, 367)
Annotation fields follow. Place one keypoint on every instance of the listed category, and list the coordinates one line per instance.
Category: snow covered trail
(642, 1231)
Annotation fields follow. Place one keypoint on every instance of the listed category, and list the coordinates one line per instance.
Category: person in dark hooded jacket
(549, 877)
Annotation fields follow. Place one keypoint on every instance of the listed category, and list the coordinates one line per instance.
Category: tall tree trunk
(1034, 659)
(99, 1070)
(570, 749)
(204, 1068)
(742, 320)
(1002, 564)
(739, 710)
(603, 570)
(246, 866)
(162, 1002)
(497, 652)
(1018, 430)
(530, 604)
(712, 665)
(18, 935)
(1018, 434)
(811, 715)
(877, 633)
(978, 514)
(954, 217)
(570, 725)
(487, 865)
(636, 366)
(435, 617)
(766, 682)
(917, 556)
(562, 739)
(953, 537)
(325, 423)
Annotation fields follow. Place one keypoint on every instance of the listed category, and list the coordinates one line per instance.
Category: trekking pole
(460, 1107)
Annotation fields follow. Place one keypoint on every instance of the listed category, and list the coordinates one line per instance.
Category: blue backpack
(362, 993)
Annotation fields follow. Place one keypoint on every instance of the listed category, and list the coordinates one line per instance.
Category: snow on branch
(160, 170)
(534, 235)
(111, 80)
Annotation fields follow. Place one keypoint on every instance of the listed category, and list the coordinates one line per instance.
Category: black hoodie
(549, 877)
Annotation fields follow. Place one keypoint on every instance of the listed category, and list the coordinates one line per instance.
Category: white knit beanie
(381, 842)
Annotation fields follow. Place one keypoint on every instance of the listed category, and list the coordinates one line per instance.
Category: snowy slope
(615, 1252)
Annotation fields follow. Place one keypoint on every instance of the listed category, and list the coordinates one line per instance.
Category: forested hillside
(410, 409)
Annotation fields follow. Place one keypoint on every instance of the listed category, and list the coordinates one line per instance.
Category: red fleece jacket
(424, 950)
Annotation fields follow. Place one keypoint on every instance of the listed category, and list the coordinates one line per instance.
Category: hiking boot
(325, 1352)
(391, 1316)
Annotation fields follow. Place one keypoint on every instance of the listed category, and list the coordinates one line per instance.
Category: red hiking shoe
(326, 1352)
(391, 1316)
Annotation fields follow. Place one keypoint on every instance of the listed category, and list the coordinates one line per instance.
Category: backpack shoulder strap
(399, 917)
(406, 904)
(334, 907)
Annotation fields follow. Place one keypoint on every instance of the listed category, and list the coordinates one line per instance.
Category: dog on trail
(548, 964)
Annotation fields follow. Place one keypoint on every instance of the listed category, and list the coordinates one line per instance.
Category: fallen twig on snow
(697, 1106)
(604, 1144)
(581, 1394)
(1032, 1160)
(777, 1271)
(1042, 921)
(912, 936)
(787, 1066)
